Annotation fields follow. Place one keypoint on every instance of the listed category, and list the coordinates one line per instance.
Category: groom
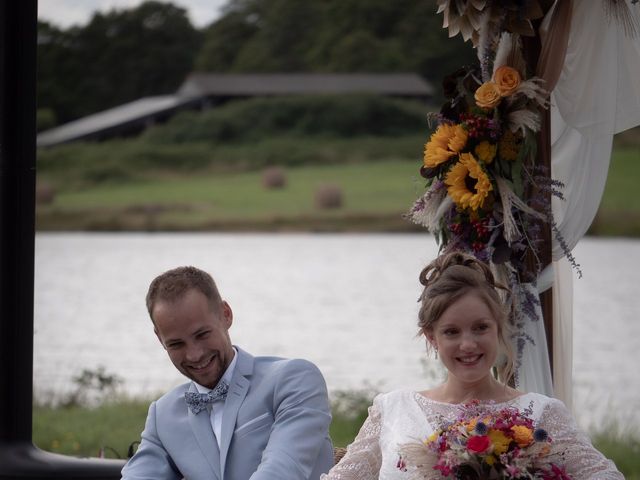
(241, 417)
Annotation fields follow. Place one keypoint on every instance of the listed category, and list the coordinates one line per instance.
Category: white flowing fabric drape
(596, 96)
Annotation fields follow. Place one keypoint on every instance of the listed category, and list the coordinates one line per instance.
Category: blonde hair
(450, 277)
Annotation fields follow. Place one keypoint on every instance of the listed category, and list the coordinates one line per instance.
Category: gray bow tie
(198, 401)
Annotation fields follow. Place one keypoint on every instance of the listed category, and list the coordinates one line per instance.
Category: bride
(465, 323)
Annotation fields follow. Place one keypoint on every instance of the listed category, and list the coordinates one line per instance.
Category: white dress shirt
(218, 405)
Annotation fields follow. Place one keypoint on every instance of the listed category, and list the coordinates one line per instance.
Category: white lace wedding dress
(405, 416)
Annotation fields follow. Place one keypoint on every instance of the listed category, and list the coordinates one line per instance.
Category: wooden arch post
(532, 48)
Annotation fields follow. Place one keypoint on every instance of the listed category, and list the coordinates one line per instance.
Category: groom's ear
(227, 315)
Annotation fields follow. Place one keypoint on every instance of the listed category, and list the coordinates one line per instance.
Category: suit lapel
(201, 426)
(238, 389)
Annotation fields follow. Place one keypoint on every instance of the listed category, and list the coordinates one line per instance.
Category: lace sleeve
(572, 447)
(364, 457)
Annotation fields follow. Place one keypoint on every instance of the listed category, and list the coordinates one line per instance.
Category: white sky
(64, 13)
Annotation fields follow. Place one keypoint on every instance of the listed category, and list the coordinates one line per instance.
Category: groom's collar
(244, 366)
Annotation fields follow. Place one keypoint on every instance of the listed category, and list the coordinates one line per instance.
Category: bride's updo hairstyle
(451, 276)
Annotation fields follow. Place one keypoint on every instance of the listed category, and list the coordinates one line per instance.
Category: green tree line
(125, 54)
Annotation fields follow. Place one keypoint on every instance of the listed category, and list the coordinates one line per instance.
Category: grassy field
(112, 427)
(371, 192)
(375, 195)
(619, 212)
(203, 171)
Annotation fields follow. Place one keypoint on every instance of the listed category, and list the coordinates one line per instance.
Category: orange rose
(522, 435)
(487, 95)
(507, 79)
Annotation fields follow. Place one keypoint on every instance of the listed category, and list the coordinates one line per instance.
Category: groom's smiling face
(195, 334)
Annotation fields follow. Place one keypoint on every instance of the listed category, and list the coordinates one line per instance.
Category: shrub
(323, 115)
(86, 164)
(45, 119)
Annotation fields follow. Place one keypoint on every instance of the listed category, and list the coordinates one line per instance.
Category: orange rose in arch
(487, 95)
(507, 79)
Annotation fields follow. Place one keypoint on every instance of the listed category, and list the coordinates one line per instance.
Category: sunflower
(445, 142)
(458, 138)
(467, 183)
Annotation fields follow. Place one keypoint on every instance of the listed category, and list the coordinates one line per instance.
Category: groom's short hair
(173, 284)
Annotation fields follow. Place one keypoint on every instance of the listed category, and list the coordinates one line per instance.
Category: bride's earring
(432, 344)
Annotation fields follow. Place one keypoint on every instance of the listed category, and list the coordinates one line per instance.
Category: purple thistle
(481, 428)
(540, 435)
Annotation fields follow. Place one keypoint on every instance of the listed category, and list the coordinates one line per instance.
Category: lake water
(345, 301)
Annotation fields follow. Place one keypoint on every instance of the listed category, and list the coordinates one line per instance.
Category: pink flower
(444, 469)
(479, 444)
(513, 471)
(556, 473)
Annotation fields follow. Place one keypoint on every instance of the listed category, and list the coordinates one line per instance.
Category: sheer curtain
(597, 94)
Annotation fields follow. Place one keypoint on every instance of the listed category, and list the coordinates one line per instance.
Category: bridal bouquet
(484, 444)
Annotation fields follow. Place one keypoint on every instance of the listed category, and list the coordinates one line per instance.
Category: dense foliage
(331, 36)
(122, 55)
(322, 115)
(117, 57)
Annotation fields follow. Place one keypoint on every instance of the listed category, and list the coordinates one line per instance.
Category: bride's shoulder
(432, 395)
(542, 405)
(394, 397)
(537, 398)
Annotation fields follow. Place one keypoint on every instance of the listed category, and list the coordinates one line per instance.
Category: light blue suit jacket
(275, 426)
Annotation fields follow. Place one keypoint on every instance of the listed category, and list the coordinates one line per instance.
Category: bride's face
(466, 337)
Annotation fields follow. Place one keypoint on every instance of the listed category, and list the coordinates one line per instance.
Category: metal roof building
(128, 118)
(244, 85)
(205, 89)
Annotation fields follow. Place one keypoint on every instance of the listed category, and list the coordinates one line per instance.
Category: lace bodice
(404, 416)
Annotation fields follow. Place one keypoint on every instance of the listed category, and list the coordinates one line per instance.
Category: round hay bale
(273, 178)
(328, 196)
(45, 193)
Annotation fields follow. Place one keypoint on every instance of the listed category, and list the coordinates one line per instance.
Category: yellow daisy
(432, 438)
(472, 425)
(467, 184)
(486, 151)
(500, 441)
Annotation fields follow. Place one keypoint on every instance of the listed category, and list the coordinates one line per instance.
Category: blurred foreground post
(18, 457)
